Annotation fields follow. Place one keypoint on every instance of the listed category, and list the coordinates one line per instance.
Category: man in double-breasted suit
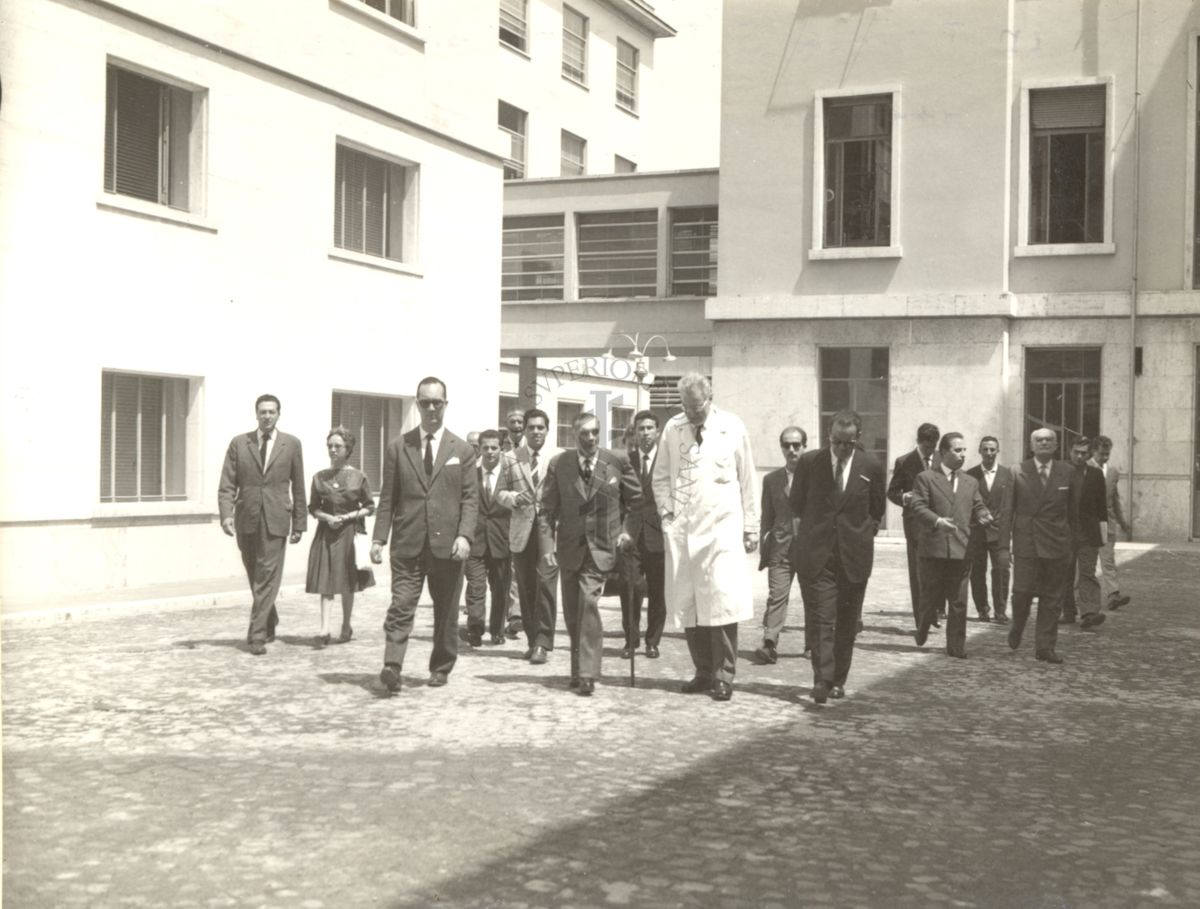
(537, 581)
(587, 490)
(991, 542)
(1091, 532)
(899, 491)
(645, 556)
(428, 505)
(945, 504)
(261, 501)
(489, 564)
(1042, 542)
(777, 535)
(838, 496)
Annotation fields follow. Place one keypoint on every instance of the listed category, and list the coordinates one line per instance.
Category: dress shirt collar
(258, 433)
(437, 438)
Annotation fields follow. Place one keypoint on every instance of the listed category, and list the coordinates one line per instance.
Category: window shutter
(133, 133)
(151, 434)
(124, 427)
(1074, 107)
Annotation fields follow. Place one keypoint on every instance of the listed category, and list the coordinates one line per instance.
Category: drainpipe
(1133, 290)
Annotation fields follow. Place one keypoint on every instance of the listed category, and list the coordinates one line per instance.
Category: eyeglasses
(336, 446)
(430, 404)
(793, 445)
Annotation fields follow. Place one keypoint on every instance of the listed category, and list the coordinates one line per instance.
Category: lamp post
(640, 354)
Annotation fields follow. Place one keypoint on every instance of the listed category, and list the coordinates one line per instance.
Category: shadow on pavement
(236, 643)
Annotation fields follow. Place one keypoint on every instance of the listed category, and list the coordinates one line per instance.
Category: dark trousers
(780, 575)
(714, 650)
(1045, 579)
(262, 557)
(486, 572)
(638, 562)
(979, 553)
(537, 588)
(832, 609)
(1082, 595)
(581, 589)
(408, 577)
(944, 585)
(914, 570)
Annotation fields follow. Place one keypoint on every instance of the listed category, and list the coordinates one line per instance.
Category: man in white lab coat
(705, 487)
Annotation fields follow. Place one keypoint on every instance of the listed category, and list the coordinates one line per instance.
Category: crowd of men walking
(671, 520)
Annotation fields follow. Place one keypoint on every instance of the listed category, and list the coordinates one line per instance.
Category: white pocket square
(612, 481)
(453, 460)
(864, 479)
(1064, 487)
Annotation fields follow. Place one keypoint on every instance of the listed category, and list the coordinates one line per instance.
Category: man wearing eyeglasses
(777, 531)
(429, 506)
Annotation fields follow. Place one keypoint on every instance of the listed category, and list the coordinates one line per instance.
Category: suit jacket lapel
(584, 491)
(252, 444)
(276, 450)
(442, 456)
(412, 448)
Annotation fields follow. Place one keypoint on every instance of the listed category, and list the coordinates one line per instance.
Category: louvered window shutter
(1074, 107)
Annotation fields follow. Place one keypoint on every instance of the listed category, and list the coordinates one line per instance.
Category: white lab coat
(708, 499)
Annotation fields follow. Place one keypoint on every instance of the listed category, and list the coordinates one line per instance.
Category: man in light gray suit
(255, 506)
(1116, 516)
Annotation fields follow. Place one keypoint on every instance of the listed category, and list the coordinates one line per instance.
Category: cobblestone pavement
(149, 760)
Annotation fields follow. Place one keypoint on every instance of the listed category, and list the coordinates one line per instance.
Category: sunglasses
(796, 445)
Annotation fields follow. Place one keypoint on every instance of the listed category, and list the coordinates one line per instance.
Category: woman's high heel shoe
(322, 640)
(346, 635)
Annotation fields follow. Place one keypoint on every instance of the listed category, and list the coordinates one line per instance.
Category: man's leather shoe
(820, 693)
(627, 653)
(651, 652)
(437, 679)
(697, 685)
(1014, 635)
(957, 654)
(574, 683)
(722, 691)
(513, 630)
(1049, 656)
(765, 655)
(1119, 602)
(586, 687)
(1091, 620)
(475, 638)
(257, 649)
(537, 656)
(935, 623)
(1066, 620)
(921, 635)
(985, 616)
(1000, 618)
(837, 691)
(497, 639)
(389, 677)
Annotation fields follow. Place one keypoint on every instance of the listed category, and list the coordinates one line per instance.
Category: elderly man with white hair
(705, 487)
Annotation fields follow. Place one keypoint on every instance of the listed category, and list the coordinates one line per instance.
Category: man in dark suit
(645, 557)
(429, 504)
(585, 494)
(256, 506)
(900, 492)
(838, 495)
(945, 504)
(991, 541)
(1091, 509)
(777, 531)
(489, 565)
(1043, 533)
(537, 581)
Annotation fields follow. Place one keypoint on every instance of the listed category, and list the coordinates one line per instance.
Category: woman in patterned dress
(341, 501)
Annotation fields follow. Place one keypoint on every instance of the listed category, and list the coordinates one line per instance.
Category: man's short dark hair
(1104, 443)
(803, 434)
(1084, 440)
(488, 434)
(846, 418)
(262, 398)
(927, 432)
(948, 440)
(534, 413)
(586, 417)
(646, 415)
(990, 439)
(434, 380)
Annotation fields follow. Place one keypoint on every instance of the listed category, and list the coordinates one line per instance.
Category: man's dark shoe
(389, 677)
(1049, 656)
(820, 693)
(697, 685)
(1066, 620)
(257, 649)
(513, 630)
(474, 638)
(1119, 602)
(935, 623)
(1014, 635)
(722, 691)
(586, 687)
(574, 683)
(765, 655)
(497, 639)
(271, 637)
(1091, 620)
(537, 656)
(626, 653)
(437, 679)
(837, 691)
(921, 635)
(957, 654)
(985, 616)
(651, 652)
(1000, 618)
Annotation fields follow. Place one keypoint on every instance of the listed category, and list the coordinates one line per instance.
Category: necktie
(645, 469)
(1044, 470)
(787, 486)
(699, 435)
(533, 468)
(262, 450)
(487, 485)
(587, 470)
(841, 475)
(954, 481)
(928, 462)
(428, 454)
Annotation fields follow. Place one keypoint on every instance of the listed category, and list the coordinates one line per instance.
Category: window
(374, 205)
(567, 412)
(403, 10)
(1066, 165)
(151, 140)
(512, 124)
(694, 252)
(375, 420)
(507, 405)
(627, 76)
(618, 421)
(623, 165)
(618, 254)
(143, 438)
(857, 158)
(574, 51)
(532, 266)
(514, 24)
(856, 378)
(574, 155)
(1194, 258)
(1062, 392)
(664, 394)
